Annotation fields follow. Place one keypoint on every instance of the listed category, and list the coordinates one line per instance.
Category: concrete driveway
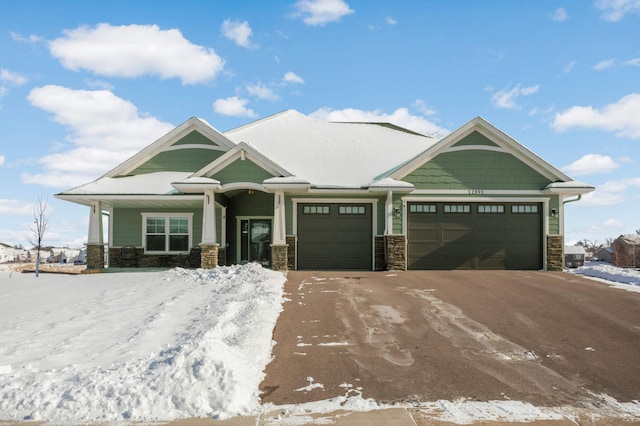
(539, 337)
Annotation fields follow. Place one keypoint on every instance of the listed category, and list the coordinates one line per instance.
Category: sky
(85, 85)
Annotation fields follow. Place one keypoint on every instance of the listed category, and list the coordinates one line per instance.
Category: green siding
(475, 138)
(554, 222)
(476, 169)
(183, 160)
(195, 137)
(242, 171)
(127, 225)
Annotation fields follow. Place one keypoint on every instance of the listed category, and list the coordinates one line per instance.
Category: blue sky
(84, 85)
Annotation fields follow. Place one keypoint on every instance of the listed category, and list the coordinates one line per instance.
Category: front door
(255, 241)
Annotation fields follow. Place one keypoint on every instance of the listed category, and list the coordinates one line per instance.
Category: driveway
(539, 337)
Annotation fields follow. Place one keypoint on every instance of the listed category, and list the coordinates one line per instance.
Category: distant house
(604, 254)
(7, 253)
(574, 256)
(626, 251)
(292, 192)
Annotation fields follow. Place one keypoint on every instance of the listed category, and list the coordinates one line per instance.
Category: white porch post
(95, 240)
(209, 218)
(388, 208)
(95, 224)
(279, 226)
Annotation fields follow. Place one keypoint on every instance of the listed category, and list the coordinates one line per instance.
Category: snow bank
(136, 346)
(629, 278)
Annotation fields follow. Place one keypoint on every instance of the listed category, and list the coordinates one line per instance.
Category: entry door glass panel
(255, 241)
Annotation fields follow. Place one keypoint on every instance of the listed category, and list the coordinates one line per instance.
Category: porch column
(388, 210)
(279, 258)
(209, 245)
(95, 241)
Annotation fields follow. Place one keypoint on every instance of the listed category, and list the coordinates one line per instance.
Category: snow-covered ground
(624, 278)
(147, 346)
(136, 346)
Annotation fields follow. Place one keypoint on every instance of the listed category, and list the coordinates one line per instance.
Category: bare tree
(38, 229)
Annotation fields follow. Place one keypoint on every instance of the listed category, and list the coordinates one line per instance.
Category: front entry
(255, 241)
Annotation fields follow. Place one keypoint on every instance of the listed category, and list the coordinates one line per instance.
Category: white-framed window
(524, 209)
(315, 209)
(422, 208)
(351, 210)
(457, 208)
(490, 208)
(167, 232)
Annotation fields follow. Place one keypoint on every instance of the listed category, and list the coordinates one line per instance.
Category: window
(524, 209)
(490, 208)
(351, 210)
(422, 208)
(457, 208)
(167, 232)
(311, 209)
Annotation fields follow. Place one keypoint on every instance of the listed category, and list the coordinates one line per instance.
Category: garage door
(474, 236)
(334, 236)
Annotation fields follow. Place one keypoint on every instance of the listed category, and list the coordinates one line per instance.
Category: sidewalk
(387, 417)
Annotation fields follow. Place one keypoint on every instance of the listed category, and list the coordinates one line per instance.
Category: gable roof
(503, 142)
(165, 143)
(330, 154)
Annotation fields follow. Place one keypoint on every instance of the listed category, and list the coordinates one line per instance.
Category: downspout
(573, 201)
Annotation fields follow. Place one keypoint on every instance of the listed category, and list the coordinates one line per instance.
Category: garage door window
(351, 210)
(315, 210)
(422, 208)
(524, 209)
(490, 208)
(457, 208)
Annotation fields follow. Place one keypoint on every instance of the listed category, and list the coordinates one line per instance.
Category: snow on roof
(330, 154)
(388, 183)
(574, 250)
(150, 183)
(630, 238)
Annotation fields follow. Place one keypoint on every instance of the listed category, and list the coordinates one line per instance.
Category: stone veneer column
(95, 256)
(279, 257)
(555, 259)
(396, 257)
(209, 256)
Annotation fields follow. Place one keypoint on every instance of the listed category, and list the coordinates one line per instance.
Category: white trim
(194, 146)
(242, 152)
(146, 215)
(241, 185)
(475, 192)
(374, 218)
(223, 226)
(475, 148)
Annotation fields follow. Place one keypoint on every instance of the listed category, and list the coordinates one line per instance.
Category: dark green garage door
(334, 236)
(474, 236)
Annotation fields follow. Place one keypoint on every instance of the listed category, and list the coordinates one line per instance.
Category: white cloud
(400, 117)
(423, 108)
(610, 193)
(32, 39)
(12, 78)
(603, 65)
(15, 207)
(238, 32)
(391, 21)
(103, 130)
(234, 107)
(560, 15)
(507, 99)
(613, 224)
(620, 117)
(136, 50)
(591, 164)
(635, 62)
(2, 159)
(569, 67)
(261, 91)
(321, 12)
(291, 77)
(614, 10)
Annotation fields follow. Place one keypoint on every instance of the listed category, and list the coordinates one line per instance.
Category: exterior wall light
(396, 212)
(554, 212)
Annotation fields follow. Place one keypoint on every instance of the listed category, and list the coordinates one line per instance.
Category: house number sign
(476, 192)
